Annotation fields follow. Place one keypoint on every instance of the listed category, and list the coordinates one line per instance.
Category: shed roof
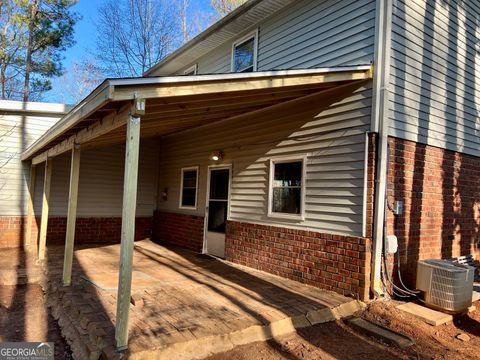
(183, 102)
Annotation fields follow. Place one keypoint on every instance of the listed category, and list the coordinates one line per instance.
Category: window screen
(287, 187)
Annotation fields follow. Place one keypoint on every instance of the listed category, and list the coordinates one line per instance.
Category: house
(291, 136)
(20, 125)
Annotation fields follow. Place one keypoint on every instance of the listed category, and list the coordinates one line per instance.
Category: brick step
(81, 317)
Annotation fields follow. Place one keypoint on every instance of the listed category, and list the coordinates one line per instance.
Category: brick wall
(87, 230)
(11, 231)
(179, 229)
(333, 262)
(441, 194)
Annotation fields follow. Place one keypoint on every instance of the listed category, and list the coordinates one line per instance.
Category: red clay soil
(336, 340)
(332, 340)
(24, 316)
(432, 342)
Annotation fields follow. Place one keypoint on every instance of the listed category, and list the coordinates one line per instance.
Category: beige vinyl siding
(100, 191)
(436, 74)
(306, 34)
(333, 141)
(13, 174)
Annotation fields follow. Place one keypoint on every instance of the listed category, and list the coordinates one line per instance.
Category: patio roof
(178, 103)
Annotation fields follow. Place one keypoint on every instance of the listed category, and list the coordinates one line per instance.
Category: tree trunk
(3, 80)
(28, 57)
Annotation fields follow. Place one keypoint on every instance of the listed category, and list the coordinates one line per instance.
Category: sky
(85, 34)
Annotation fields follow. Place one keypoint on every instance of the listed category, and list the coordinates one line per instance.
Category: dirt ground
(339, 341)
(334, 340)
(432, 342)
(24, 317)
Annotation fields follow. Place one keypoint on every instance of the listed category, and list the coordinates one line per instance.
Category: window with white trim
(189, 188)
(287, 181)
(244, 54)
(192, 70)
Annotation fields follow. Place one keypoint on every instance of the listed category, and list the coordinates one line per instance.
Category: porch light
(165, 194)
(216, 155)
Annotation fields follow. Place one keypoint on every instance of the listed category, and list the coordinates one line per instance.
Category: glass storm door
(217, 210)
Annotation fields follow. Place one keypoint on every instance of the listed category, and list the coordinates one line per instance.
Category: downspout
(380, 124)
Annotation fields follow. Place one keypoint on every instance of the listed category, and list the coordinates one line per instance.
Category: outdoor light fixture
(165, 194)
(216, 155)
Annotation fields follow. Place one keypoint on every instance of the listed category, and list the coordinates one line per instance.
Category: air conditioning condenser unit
(447, 286)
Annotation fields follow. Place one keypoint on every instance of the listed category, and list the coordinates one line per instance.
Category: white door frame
(207, 203)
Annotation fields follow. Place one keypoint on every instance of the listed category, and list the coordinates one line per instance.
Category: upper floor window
(192, 70)
(244, 54)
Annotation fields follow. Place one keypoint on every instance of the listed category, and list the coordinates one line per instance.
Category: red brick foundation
(333, 262)
(441, 194)
(87, 230)
(179, 229)
(11, 231)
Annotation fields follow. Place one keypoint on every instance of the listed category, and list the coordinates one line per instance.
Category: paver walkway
(178, 297)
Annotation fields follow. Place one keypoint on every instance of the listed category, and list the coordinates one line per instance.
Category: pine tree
(33, 36)
(50, 26)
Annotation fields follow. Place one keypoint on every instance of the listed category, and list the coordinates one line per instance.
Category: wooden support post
(128, 230)
(31, 195)
(45, 207)
(72, 215)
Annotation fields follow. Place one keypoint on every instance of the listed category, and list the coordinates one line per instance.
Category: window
(287, 188)
(188, 188)
(244, 54)
(192, 70)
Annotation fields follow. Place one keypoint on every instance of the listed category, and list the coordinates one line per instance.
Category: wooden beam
(204, 115)
(221, 102)
(39, 159)
(31, 196)
(45, 208)
(72, 215)
(98, 128)
(185, 89)
(128, 231)
(95, 100)
(211, 109)
(234, 96)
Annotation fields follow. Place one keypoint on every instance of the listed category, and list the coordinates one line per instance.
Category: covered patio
(125, 111)
(183, 305)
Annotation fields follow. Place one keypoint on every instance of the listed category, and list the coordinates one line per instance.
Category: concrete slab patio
(184, 305)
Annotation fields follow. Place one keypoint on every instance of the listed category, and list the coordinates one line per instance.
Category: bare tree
(192, 24)
(183, 19)
(78, 80)
(223, 7)
(134, 35)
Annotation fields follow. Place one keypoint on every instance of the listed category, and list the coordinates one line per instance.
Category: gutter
(380, 124)
(20, 107)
